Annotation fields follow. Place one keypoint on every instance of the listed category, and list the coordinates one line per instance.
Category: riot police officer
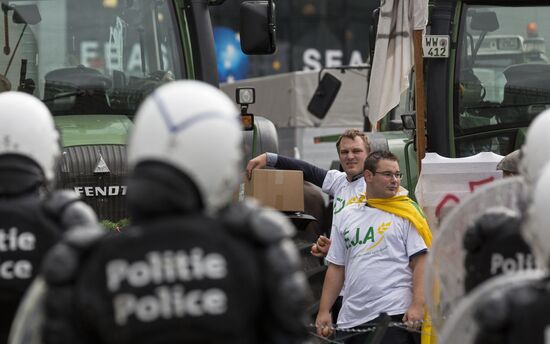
(32, 216)
(513, 308)
(192, 268)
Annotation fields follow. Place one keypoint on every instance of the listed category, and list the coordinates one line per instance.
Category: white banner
(445, 181)
(393, 53)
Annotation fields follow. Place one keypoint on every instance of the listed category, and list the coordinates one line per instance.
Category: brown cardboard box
(282, 190)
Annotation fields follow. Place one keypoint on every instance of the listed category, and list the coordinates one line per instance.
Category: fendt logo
(101, 191)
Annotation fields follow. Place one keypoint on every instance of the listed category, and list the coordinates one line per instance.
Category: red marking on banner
(475, 183)
(445, 200)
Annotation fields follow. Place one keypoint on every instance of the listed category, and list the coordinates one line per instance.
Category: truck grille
(98, 174)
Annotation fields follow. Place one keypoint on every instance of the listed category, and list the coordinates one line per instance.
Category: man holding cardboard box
(346, 187)
(378, 250)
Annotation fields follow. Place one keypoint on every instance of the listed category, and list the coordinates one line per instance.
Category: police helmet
(193, 127)
(535, 230)
(27, 129)
(535, 152)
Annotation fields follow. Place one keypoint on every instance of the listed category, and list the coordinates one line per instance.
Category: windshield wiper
(77, 93)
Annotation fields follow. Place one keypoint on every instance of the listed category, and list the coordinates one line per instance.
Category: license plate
(436, 46)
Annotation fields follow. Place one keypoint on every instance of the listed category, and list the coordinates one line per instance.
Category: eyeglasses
(388, 174)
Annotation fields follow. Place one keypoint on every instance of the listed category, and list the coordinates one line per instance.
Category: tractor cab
(500, 81)
(93, 62)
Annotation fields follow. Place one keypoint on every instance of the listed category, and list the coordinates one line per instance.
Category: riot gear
(199, 136)
(535, 230)
(31, 219)
(191, 268)
(513, 307)
(27, 130)
(535, 153)
(494, 245)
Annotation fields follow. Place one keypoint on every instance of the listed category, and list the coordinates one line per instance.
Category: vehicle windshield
(502, 71)
(89, 56)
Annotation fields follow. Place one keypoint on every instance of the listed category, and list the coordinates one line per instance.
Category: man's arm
(334, 280)
(312, 173)
(415, 313)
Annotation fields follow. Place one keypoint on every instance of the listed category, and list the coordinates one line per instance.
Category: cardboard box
(282, 190)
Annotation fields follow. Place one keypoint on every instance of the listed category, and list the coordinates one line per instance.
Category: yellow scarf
(405, 207)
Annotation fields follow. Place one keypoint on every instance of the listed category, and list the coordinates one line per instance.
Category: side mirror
(409, 120)
(484, 21)
(26, 14)
(324, 96)
(257, 27)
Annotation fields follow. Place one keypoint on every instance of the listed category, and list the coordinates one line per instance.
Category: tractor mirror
(409, 121)
(26, 14)
(257, 27)
(324, 96)
(484, 21)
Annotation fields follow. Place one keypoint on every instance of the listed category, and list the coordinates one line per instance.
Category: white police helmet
(536, 230)
(535, 152)
(27, 128)
(195, 128)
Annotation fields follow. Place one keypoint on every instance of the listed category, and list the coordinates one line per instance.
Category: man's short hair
(371, 162)
(352, 134)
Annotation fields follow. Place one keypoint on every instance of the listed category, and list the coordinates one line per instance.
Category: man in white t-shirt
(345, 187)
(380, 257)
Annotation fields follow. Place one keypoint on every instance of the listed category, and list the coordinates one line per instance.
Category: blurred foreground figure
(192, 268)
(514, 308)
(509, 165)
(32, 217)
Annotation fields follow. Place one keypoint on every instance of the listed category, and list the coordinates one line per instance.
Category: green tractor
(486, 78)
(495, 80)
(93, 62)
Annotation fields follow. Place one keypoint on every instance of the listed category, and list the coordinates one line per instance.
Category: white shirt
(374, 247)
(344, 192)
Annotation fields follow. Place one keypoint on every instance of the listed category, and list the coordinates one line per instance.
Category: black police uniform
(31, 221)
(493, 245)
(178, 275)
(517, 315)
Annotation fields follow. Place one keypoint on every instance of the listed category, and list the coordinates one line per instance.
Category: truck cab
(484, 95)
(494, 82)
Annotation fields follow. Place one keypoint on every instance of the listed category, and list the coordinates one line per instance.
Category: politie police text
(168, 270)
(12, 240)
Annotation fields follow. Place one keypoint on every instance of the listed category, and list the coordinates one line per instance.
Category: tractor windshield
(89, 56)
(501, 75)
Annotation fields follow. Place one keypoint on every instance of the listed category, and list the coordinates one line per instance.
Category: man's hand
(258, 162)
(320, 248)
(323, 323)
(414, 315)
